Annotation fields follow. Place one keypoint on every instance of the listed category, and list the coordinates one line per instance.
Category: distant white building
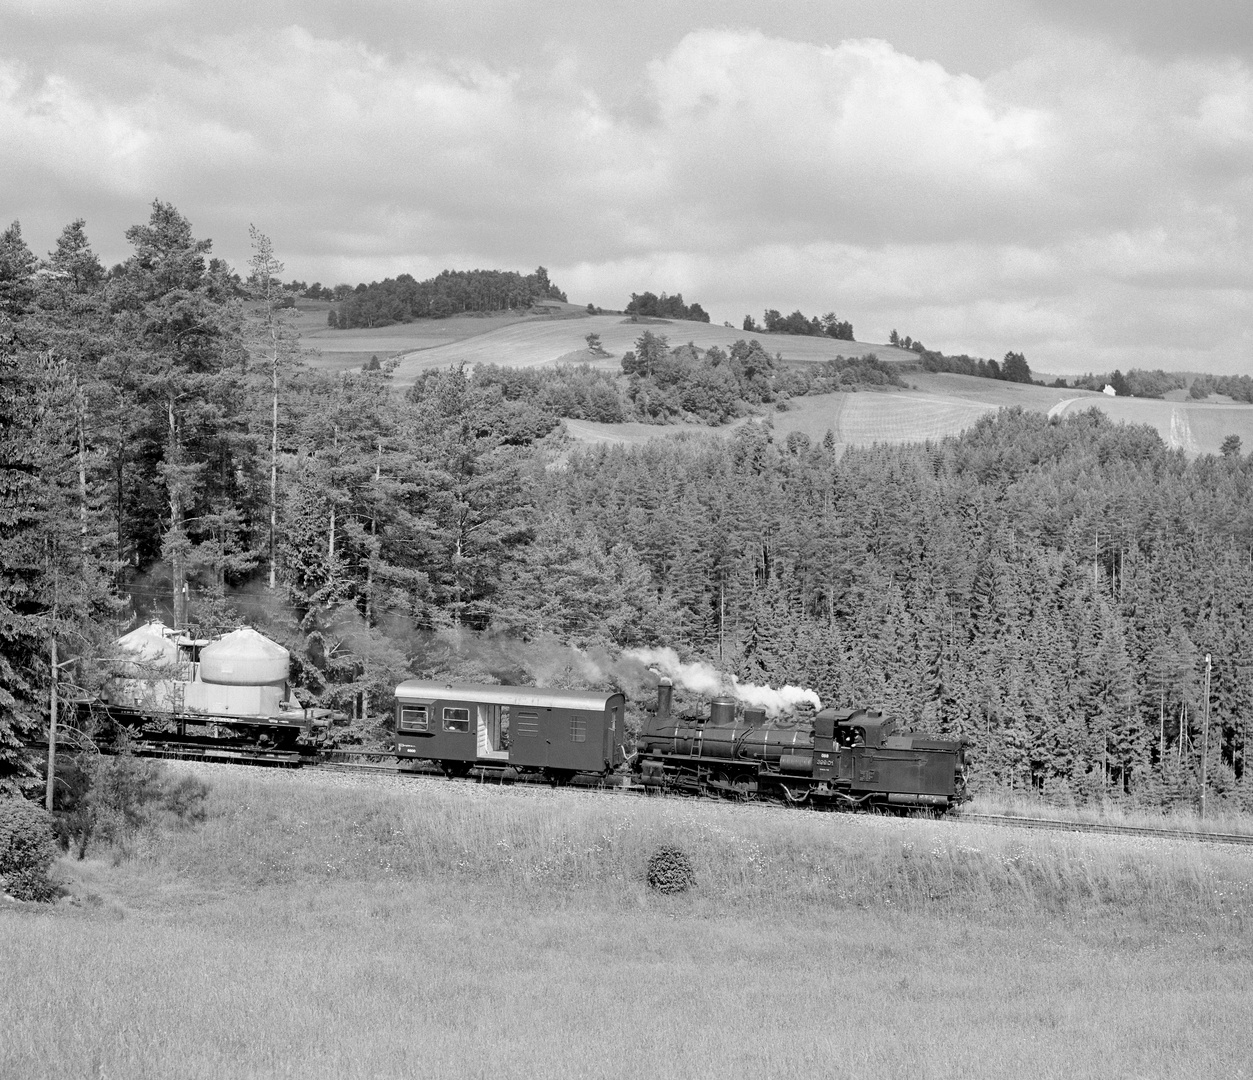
(1110, 391)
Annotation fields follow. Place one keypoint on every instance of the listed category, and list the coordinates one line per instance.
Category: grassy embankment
(313, 928)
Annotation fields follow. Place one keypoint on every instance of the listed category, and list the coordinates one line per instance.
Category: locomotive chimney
(665, 689)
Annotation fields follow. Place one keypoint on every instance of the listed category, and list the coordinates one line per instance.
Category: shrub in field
(27, 848)
(670, 870)
(117, 797)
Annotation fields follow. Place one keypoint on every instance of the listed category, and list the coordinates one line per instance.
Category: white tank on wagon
(244, 658)
(241, 674)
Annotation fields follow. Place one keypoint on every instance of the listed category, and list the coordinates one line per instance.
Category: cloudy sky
(1068, 178)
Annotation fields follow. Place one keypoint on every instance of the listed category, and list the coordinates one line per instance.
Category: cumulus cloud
(1083, 202)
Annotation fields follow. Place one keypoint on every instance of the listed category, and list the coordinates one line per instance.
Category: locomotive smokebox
(722, 711)
(665, 690)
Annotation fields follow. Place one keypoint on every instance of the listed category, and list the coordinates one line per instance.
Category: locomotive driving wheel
(744, 788)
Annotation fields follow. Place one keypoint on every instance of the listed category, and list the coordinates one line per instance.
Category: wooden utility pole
(1205, 739)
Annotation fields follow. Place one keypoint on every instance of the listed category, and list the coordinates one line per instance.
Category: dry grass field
(330, 926)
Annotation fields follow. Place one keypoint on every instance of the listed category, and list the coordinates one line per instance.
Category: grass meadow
(330, 926)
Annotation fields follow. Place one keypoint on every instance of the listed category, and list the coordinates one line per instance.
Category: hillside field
(530, 340)
(932, 407)
(938, 405)
(330, 926)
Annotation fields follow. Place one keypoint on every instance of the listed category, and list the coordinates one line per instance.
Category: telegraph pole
(1205, 739)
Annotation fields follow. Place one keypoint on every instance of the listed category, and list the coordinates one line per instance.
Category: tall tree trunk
(178, 568)
(330, 543)
(273, 449)
(82, 476)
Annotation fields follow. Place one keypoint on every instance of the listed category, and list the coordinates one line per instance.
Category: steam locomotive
(850, 758)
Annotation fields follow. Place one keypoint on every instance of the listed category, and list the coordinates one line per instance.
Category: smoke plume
(705, 679)
(551, 662)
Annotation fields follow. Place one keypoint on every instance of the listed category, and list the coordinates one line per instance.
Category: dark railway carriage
(531, 729)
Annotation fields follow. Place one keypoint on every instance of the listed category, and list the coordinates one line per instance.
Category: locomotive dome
(244, 658)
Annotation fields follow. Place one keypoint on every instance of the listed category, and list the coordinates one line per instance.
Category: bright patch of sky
(1073, 180)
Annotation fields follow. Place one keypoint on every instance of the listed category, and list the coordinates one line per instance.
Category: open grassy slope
(316, 926)
(934, 406)
(1196, 427)
(939, 405)
(529, 340)
(530, 343)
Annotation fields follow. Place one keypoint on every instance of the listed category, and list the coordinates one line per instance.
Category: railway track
(1061, 825)
(352, 759)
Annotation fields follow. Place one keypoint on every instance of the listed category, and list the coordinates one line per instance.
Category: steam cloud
(702, 678)
(551, 662)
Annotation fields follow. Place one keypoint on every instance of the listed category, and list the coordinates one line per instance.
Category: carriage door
(528, 737)
(493, 723)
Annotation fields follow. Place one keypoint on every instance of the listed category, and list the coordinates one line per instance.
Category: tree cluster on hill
(715, 385)
(1013, 368)
(452, 292)
(1236, 387)
(796, 323)
(906, 342)
(1047, 589)
(576, 392)
(665, 307)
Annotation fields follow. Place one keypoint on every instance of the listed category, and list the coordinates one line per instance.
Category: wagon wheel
(559, 777)
(456, 770)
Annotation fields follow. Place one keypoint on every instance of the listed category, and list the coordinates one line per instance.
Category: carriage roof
(540, 697)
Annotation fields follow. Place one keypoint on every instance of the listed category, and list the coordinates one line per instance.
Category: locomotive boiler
(851, 757)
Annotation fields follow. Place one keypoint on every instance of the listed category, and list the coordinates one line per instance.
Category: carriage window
(578, 729)
(528, 724)
(414, 718)
(456, 719)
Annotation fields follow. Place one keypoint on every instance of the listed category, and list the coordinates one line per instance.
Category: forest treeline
(1048, 589)
(451, 292)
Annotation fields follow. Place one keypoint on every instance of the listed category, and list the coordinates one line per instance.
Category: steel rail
(1061, 825)
(323, 758)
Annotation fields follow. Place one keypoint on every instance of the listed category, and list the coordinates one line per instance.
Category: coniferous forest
(1049, 589)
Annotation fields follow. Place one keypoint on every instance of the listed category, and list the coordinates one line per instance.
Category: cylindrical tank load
(244, 658)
